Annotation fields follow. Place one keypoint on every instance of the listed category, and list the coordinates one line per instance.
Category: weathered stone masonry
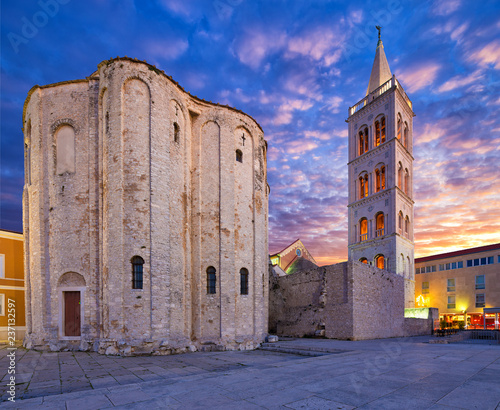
(126, 163)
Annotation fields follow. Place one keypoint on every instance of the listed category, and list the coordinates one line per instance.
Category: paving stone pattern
(399, 373)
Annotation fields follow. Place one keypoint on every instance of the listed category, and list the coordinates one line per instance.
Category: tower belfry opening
(381, 175)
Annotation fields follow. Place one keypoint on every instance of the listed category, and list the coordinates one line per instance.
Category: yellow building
(461, 284)
(12, 288)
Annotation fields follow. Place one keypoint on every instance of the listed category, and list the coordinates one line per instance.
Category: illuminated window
(407, 227)
(407, 181)
(400, 176)
(244, 281)
(380, 178)
(450, 285)
(363, 229)
(399, 126)
(382, 130)
(211, 280)
(480, 300)
(425, 287)
(364, 260)
(176, 132)
(363, 186)
(239, 156)
(363, 141)
(380, 262)
(451, 302)
(405, 136)
(480, 284)
(137, 272)
(377, 133)
(379, 225)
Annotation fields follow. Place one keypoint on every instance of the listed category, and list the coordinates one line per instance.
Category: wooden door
(72, 313)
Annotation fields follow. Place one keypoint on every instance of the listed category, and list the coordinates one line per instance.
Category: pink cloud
(488, 55)
(419, 77)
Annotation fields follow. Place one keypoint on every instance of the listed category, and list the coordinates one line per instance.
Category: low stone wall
(348, 300)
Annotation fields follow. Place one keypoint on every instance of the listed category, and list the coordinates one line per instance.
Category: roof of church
(381, 73)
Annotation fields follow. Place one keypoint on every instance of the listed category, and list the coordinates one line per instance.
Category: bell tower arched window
(363, 186)
(379, 225)
(405, 136)
(400, 176)
(363, 229)
(407, 227)
(400, 121)
(380, 262)
(400, 222)
(382, 130)
(407, 181)
(363, 141)
(380, 179)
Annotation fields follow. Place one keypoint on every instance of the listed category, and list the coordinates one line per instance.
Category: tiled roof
(469, 251)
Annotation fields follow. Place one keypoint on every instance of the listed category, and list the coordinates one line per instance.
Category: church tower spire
(380, 167)
(381, 72)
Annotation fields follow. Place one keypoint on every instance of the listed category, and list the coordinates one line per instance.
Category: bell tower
(381, 176)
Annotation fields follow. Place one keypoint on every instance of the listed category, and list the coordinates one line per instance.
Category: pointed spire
(380, 69)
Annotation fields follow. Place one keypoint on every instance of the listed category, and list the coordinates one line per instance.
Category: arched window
(65, 149)
(363, 141)
(239, 156)
(400, 176)
(364, 260)
(399, 126)
(363, 186)
(244, 281)
(400, 222)
(403, 267)
(211, 280)
(407, 227)
(176, 132)
(377, 133)
(137, 272)
(382, 130)
(380, 178)
(363, 229)
(380, 262)
(407, 179)
(405, 135)
(379, 225)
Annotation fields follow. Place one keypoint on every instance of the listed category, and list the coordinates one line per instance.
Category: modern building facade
(461, 285)
(381, 176)
(145, 216)
(12, 289)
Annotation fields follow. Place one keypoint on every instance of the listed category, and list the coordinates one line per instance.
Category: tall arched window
(380, 262)
(407, 181)
(363, 229)
(244, 281)
(137, 272)
(239, 156)
(363, 141)
(399, 126)
(382, 130)
(380, 178)
(400, 222)
(363, 186)
(400, 176)
(379, 225)
(65, 149)
(176, 132)
(211, 280)
(407, 227)
(377, 133)
(405, 135)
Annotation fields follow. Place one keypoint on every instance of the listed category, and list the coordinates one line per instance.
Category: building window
(399, 127)
(380, 262)
(2, 304)
(450, 285)
(405, 136)
(382, 130)
(469, 263)
(441, 266)
(407, 182)
(363, 141)
(380, 178)
(239, 156)
(480, 300)
(2, 265)
(490, 260)
(417, 271)
(451, 302)
(211, 280)
(137, 272)
(480, 284)
(379, 225)
(476, 262)
(363, 229)
(400, 223)
(244, 281)
(364, 260)
(460, 265)
(176, 132)
(407, 226)
(425, 287)
(400, 176)
(65, 149)
(363, 186)
(453, 265)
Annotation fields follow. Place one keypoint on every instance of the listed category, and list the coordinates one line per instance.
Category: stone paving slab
(390, 374)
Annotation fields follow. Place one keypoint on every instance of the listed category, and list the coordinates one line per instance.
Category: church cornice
(367, 155)
(371, 106)
(370, 199)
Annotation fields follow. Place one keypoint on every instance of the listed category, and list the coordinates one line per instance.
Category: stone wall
(143, 169)
(350, 300)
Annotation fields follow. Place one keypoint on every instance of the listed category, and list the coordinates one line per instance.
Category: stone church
(145, 217)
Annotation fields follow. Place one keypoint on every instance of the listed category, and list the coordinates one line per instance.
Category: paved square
(404, 373)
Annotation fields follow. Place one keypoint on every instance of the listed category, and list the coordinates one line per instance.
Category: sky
(296, 67)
